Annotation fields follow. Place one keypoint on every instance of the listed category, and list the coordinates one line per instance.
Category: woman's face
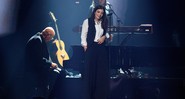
(98, 14)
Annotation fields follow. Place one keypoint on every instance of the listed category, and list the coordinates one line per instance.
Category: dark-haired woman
(96, 57)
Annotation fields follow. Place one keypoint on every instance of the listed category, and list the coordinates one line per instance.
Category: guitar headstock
(52, 16)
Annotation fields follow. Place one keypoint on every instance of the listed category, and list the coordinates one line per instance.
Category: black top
(37, 56)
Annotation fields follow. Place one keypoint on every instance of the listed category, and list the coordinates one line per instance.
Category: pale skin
(98, 15)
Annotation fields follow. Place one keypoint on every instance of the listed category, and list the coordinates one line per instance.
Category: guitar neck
(57, 31)
(55, 21)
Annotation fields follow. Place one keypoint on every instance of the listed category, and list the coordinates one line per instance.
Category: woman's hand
(101, 40)
(85, 48)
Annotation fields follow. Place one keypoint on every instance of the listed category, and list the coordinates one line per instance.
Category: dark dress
(96, 67)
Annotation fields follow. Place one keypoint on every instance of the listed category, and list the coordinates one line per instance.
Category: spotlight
(77, 2)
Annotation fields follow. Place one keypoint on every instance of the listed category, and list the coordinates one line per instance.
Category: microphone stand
(120, 61)
(119, 21)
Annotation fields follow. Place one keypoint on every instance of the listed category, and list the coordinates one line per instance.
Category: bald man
(38, 64)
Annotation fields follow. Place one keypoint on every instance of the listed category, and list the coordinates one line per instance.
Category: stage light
(77, 2)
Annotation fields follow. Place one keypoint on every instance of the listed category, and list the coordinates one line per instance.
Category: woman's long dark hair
(104, 23)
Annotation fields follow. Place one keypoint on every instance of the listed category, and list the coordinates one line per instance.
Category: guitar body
(61, 53)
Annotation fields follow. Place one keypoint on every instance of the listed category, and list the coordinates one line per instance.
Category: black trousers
(96, 74)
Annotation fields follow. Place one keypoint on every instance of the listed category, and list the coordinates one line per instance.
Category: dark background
(166, 16)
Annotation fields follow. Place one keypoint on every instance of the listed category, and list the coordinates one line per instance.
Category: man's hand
(54, 65)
